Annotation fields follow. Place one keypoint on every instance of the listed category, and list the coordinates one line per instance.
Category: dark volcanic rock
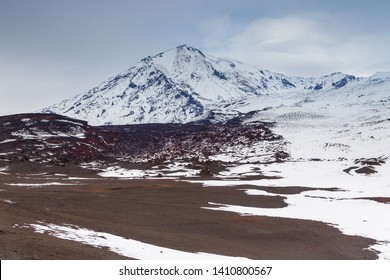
(61, 140)
(49, 138)
(370, 161)
(366, 170)
(160, 142)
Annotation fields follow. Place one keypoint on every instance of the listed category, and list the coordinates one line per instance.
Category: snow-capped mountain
(330, 117)
(182, 85)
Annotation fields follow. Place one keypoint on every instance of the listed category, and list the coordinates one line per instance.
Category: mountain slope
(348, 123)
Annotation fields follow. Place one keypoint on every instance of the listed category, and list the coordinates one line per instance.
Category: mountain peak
(179, 53)
(187, 48)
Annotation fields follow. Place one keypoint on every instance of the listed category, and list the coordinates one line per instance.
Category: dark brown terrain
(162, 212)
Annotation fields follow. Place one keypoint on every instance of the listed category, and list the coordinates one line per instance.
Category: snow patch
(116, 171)
(8, 201)
(122, 246)
(71, 122)
(39, 185)
(169, 170)
(7, 141)
(258, 192)
(27, 121)
(2, 169)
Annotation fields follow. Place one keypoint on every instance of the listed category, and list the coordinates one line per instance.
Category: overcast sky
(51, 50)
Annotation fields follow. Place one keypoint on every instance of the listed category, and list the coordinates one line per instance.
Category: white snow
(258, 192)
(27, 121)
(71, 122)
(116, 171)
(82, 178)
(122, 246)
(7, 141)
(2, 169)
(170, 170)
(36, 174)
(5, 154)
(39, 185)
(8, 201)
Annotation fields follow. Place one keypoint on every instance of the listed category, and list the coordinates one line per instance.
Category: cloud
(305, 46)
(217, 30)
